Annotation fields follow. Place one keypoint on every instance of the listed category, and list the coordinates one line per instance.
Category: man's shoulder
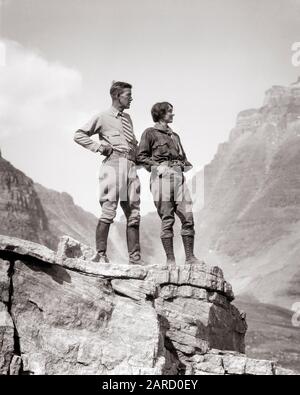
(96, 116)
(104, 112)
(93, 123)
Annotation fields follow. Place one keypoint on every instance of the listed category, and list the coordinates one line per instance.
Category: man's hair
(159, 110)
(117, 88)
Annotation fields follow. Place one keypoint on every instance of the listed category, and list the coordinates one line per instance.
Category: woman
(160, 152)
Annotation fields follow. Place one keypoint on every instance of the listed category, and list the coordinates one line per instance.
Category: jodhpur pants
(119, 182)
(171, 196)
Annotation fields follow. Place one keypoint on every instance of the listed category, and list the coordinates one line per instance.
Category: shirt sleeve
(144, 156)
(83, 135)
(187, 165)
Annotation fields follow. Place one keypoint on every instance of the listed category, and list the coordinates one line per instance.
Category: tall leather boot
(169, 250)
(188, 242)
(101, 242)
(133, 244)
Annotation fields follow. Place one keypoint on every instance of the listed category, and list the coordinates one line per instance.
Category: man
(119, 181)
(161, 152)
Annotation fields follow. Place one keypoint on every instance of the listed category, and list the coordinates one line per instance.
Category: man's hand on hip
(106, 150)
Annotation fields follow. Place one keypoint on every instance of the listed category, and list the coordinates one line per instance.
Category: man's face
(125, 98)
(168, 118)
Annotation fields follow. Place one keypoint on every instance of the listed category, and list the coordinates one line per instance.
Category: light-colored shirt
(108, 126)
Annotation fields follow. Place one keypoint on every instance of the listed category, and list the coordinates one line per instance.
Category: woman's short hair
(118, 87)
(159, 110)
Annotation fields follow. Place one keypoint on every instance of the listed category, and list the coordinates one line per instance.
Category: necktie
(127, 128)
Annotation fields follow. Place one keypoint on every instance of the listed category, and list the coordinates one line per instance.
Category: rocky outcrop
(62, 313)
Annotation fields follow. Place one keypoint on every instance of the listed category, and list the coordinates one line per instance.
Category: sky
(210, 58)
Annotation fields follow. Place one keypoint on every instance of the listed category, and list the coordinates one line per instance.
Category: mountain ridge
(252, 199)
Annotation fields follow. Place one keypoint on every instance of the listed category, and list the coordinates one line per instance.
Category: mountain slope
(66, 218)
(270, 333)
(251, 217)
(21, 211)
(32, 212)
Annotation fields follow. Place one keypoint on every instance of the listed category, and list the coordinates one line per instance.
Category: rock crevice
(10, 360)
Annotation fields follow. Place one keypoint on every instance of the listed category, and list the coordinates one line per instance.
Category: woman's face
(168, 118)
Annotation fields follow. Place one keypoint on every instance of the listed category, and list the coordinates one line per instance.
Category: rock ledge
(60, 313)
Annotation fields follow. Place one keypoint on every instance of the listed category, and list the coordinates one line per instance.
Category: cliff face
(60, 313)
(21, 211)
(64, 217)
(251, 215)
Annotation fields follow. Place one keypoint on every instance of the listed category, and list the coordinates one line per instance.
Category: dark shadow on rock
(58, 273)
(233, 330)
(9, 256)
(168, 344)
(181, 368)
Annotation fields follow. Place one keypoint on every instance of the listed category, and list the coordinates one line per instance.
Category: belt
(175, 165)
(126, 155)
(120, 154)
(175, 169)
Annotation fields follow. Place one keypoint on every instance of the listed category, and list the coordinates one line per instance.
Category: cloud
(4, 2)
(34, 94)
(40, 108)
